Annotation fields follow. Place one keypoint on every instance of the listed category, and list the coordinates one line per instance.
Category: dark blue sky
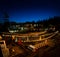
(30, 10)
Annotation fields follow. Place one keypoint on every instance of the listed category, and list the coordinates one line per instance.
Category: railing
(40, 39)
(46, 42)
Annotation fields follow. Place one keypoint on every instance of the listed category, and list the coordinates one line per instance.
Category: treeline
(52, 21)
(45, 23)
(55, 21)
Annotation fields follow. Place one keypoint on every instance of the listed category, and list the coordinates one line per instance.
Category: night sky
(29, 10)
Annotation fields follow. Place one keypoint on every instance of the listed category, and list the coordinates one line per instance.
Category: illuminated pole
(40, 38)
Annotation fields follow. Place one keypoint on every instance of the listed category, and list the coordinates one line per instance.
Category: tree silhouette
(6, 22)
